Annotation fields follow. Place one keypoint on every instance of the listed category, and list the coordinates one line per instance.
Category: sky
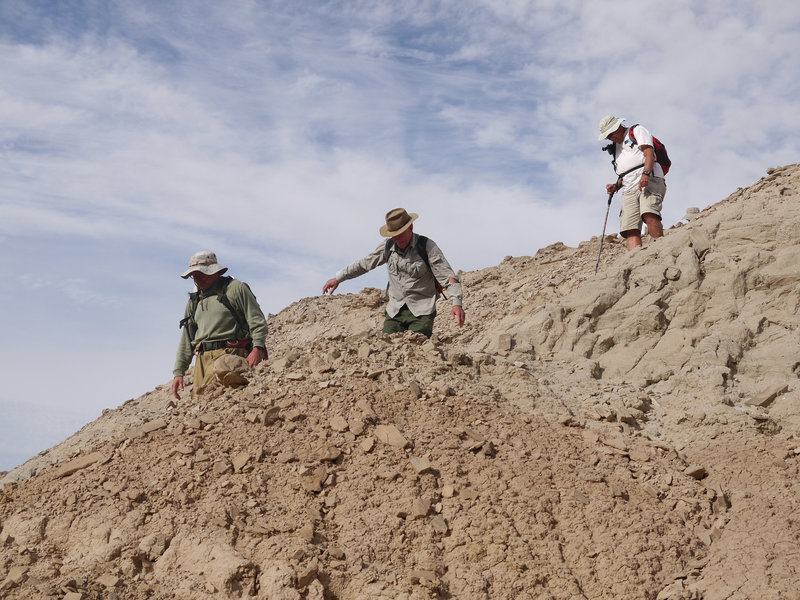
(279, 133)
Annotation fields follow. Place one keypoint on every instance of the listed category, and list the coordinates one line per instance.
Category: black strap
(631, 170)
(240, 321)
(209, 346)
(422, 250)
(195, 298)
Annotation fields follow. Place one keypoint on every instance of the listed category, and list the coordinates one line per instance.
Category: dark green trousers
(405, 320)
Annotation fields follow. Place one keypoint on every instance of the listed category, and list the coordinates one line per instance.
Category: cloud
(279, 134)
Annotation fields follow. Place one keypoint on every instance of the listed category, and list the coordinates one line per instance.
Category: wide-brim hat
(608, 125)
(691, 213)
(397, 221)
(205, 262)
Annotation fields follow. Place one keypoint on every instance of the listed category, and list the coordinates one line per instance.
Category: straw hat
(397, 221)
(205, 262)
(609, 125)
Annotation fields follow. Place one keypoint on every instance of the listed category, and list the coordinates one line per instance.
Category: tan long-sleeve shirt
(411, 282)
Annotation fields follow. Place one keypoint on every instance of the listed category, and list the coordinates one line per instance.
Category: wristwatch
(648, 173)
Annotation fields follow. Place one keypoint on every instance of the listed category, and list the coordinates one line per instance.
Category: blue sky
(279, 133)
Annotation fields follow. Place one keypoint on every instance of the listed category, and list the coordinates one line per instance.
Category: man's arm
(445, 275)
(649, 161)
(183, 357)
(256, 321)
(374, 259)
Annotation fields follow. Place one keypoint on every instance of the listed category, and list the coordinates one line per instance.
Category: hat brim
(204, 269)
(386, 232)
(611, 129)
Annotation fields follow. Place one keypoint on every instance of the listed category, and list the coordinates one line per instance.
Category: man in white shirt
(641, 178)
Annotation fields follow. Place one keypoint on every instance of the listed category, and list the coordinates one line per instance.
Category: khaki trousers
(204, 367)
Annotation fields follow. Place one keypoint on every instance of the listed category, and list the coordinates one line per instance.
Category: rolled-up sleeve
(443, 272)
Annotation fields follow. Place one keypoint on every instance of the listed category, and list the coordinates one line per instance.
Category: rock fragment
(314, 481)
(767, 396)
(356, 426)
(240, 460)
(439, 525)
(420, 508)
(339, 424)
(504, 341)
(330, 454)
(696, 471)
(420, 465)
(78, 464)
(16, 576)
(108, 580)
(389, 434)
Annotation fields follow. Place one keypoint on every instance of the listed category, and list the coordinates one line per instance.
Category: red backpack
(660, 150)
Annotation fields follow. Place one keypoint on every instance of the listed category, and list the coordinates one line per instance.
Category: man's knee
(423, 327)
(423, 324)
(654, 227)
(391, 325)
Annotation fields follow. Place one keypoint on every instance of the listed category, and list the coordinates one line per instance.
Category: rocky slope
(630, 434)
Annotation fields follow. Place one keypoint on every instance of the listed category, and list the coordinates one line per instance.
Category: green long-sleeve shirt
(214, 322)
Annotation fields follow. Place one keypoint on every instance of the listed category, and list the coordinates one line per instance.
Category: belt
(209, 346)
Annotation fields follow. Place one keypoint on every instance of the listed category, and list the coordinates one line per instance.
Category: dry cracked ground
(630, 434)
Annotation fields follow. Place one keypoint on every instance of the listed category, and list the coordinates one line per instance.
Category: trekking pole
(603, 235)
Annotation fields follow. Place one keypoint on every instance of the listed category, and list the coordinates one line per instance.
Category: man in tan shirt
(418, 273)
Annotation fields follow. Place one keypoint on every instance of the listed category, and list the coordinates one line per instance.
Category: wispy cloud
(279, 133)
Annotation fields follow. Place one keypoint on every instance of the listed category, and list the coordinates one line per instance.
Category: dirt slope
(631, 434)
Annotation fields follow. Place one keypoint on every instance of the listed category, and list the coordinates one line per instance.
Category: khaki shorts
(636, 202)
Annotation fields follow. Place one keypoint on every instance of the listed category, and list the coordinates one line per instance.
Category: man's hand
(611, 188)
(458, 314)
(254, 358)
(330, 286)
(177, 384)
(644, 181)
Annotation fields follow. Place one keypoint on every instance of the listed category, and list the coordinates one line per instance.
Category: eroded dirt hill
(631, 434)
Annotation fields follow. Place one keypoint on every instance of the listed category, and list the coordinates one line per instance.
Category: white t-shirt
(629, 155)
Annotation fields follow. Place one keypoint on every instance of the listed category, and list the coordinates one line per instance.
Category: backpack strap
(422, 249)
(630, 133)
(194, 299)
(610, 150)
(659, 151)
(222, 298)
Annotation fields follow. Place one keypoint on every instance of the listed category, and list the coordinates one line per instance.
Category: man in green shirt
(418, 271)
(222, 317)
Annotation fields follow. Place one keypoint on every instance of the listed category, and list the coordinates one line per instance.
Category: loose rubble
(630, 434)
